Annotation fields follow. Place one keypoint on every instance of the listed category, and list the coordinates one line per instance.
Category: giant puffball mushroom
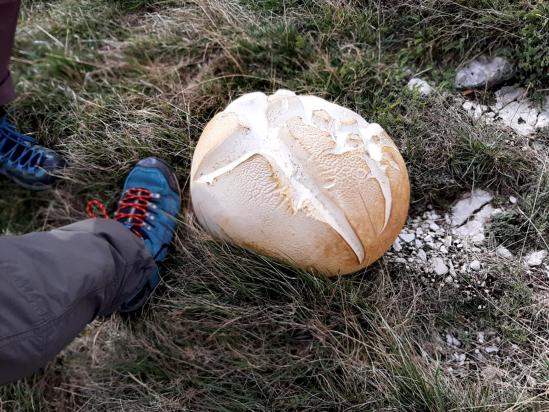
(300, 179)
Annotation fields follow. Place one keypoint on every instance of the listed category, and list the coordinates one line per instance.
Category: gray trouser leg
(9, 10)
(52, 284)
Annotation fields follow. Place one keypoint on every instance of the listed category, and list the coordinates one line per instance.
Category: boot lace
(18, 148)
(134, 209)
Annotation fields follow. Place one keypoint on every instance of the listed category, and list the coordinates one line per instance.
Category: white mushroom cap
(300, 179)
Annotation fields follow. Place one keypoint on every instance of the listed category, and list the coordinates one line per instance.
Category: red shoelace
(132, 208)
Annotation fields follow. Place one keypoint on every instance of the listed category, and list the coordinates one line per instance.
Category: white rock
(475, 110)
(512, 109)
(483, 72)
(421, 86)
(478, 238)
(543, 120)
(418, 243)
(468, 204)
(460, 358)
(475, 265)
(480, 337)
(396, 246)
(443, 249)
(434, 226)
(508, 94)
(439, 267)
(407, 237)
(491, 349)
(504, 253)
(512, 199)
(535, 258)
(452, 340)
(519, 116)
(474, 229)
(422, 255)
(486, 213)
(469, 106)
(448, 279)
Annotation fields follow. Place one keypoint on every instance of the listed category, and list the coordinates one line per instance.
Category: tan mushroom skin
(300, 179)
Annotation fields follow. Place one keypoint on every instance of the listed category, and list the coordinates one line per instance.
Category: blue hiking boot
(23, 161)
(149, 206)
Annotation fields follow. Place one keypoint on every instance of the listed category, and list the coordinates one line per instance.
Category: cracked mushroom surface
(300, 179)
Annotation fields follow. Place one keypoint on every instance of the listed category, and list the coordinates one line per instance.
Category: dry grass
(108, 83)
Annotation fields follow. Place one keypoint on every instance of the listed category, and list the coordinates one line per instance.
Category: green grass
(109, 82)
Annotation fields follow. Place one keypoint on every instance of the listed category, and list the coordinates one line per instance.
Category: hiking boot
(23, 161)
(148, 207)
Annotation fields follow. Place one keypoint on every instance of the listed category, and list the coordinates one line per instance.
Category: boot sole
(35, 187)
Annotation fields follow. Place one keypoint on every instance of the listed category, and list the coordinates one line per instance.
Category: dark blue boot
(23, 161)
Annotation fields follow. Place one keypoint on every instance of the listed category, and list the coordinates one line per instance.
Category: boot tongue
(132, 214)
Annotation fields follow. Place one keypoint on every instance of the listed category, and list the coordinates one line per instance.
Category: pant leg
(9, 11)
(52, 284)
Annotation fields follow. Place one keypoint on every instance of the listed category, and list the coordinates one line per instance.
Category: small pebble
(434, 226)
(407, 237)
(504, 253)
(491, 349)
(439, 267)
(452, 340)
(475, 265)
(535, 258)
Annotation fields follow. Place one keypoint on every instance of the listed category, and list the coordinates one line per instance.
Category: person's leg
(54, 283)
(21, 159)
(9, 11)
